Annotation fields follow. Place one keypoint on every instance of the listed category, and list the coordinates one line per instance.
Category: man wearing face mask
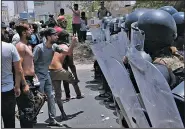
(25, 101)
(43, 55)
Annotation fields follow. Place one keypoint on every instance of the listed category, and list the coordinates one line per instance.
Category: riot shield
(97, 48)
(124, 88)
(137, 37)
(120, 41)
(155, 92)
(104, 53)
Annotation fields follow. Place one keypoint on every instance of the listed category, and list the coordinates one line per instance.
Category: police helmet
(133, 17)
(106, 21)
(159, 28)
(170, 9)
(180, 22)
(114, 26)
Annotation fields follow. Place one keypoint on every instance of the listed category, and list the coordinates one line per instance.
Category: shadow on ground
(41, 125)
(69, 117)
(95, 85)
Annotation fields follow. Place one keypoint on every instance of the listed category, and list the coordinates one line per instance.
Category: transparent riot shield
(120, 41)
(126, 95)
(102, 51)
(97, 48)
(137, 37)
(155, 92)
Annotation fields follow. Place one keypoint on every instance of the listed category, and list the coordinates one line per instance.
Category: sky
(30, 6)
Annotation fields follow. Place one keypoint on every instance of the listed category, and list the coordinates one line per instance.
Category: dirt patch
(83, 54)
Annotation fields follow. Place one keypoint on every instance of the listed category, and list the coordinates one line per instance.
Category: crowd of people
(37, 58)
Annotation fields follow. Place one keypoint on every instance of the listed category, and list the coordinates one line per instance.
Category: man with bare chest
(25, 101)
(58, 74)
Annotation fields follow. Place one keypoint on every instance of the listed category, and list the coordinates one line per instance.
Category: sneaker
(80, 96)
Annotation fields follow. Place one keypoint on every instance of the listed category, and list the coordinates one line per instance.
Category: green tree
(179, 5)
(69, 23)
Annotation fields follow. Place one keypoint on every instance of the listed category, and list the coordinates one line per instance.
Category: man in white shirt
(9, 92)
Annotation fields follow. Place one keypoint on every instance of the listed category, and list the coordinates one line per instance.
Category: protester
(9, 92)
(16, 37)
(25, 101)
(83, 28)
(62, 21)
(58, 74)
(43, 54)
(102, 12)
(76, 20)
(11, 30)
(4, 32)
(35, 37)
(68, 62)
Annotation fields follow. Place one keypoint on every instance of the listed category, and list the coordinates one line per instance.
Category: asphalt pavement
(89, 112)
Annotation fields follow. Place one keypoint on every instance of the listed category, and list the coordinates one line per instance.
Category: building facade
(42, 9)
(4, 13)
(20, 6)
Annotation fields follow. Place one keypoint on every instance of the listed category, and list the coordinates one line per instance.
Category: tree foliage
(69, 22)
(179, 5)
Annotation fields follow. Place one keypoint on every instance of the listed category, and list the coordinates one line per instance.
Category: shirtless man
(58, 74)
(26, 99)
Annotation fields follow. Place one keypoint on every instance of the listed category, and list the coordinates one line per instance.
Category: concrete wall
(20, 6)
(4, 14)
(51, 7)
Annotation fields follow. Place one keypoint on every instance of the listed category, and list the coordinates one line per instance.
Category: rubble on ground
(83, 53)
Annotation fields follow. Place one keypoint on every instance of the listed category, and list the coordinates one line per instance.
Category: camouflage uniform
(174, 62)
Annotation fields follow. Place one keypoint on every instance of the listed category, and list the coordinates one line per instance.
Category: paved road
(86, 112)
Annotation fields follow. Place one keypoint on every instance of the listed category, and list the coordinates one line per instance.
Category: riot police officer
(160, 32)
(170, 9)
(180, 40)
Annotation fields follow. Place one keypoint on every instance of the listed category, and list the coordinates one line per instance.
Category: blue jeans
(46, 87)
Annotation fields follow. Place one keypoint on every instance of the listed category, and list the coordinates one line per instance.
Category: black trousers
(25, 103)
(76, 29)
(68, 62)
(8, 103)
(105, 84)
(83, 35)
